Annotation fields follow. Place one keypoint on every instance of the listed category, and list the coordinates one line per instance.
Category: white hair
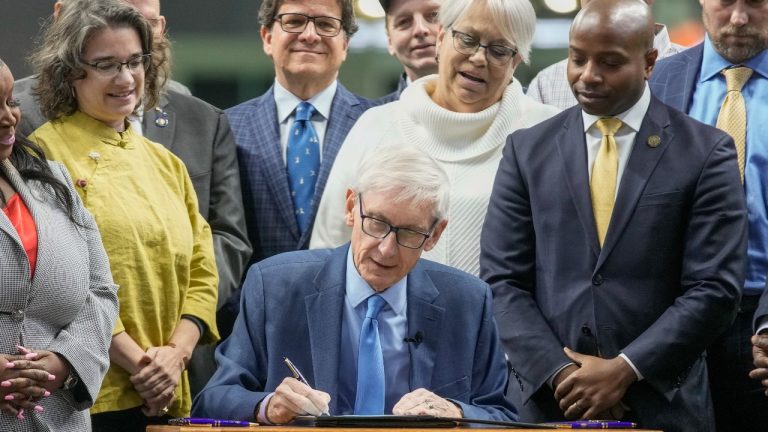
(515, 19)
(409, 171)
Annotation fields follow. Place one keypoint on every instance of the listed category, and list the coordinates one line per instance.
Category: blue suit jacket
(674, 78)
(272, 226)
(663, 286)
(292, 306)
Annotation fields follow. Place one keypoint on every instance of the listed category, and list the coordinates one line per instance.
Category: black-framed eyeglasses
(379, 229)
(110, 68)
(296, 23)
(495, 53)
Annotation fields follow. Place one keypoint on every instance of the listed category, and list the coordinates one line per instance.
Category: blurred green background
(218, 53)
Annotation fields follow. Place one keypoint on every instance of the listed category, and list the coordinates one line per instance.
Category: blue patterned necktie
(370, 363)
(303, 163)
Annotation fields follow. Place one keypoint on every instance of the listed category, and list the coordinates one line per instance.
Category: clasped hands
(760, 357)
(158, 376)
(27, 377)
(292, 398)
(593, 387)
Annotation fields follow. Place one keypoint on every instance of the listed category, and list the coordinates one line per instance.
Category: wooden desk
(305, 429)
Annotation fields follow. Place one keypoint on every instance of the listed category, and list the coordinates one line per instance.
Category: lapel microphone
(416, 339)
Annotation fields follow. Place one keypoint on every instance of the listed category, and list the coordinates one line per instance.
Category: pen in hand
(297, 374)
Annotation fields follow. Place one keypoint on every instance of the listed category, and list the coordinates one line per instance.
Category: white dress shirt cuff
(632, 365)
(551, 380)
(261, 417)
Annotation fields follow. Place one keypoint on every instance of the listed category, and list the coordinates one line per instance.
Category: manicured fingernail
(39, 409)
(5, 384)
(21, 414)
(51, 377)
(9, 365)
(8, 397)
(46, 394)
(30, 356)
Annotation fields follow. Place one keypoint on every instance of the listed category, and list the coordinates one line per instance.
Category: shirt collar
(712, 62)
(661, 40)
(286, 101)
(633, 117)
(358, 289)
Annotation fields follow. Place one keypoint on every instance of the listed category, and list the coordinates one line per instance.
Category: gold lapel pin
(654, 141)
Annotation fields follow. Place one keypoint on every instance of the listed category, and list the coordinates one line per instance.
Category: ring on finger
(164, 411)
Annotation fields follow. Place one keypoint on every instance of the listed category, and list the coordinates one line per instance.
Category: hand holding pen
(294, 397)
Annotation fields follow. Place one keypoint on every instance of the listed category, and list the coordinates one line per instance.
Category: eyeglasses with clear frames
(110, 68)
(296, 23)
(468, 45)
(379, 229)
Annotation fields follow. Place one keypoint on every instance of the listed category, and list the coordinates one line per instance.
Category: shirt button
(586, 331)
(17, 315)
(597, 280)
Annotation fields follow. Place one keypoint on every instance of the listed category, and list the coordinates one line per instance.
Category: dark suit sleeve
(239, 381)
(712, 274)
(226, 215)
(508, 264)
(489, 375)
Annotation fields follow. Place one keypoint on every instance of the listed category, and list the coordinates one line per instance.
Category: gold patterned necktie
(604, 173)
(733, 113)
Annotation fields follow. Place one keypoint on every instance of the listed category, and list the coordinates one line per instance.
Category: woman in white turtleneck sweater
(461, 117)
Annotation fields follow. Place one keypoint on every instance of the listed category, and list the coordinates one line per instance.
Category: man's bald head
(631, 17)
(611, 55)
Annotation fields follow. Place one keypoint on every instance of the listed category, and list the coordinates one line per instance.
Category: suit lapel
(264, 119)
(572, 148)
(642, 161)
(153, 120)
(344, 112)
(324, 312)
(424, 317)
(681, 75)
(32, 196)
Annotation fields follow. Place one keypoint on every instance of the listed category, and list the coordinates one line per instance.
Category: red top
(22, 220)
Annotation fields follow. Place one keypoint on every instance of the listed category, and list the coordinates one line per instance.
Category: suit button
(597, 280)
(17, 315)
(586, 331)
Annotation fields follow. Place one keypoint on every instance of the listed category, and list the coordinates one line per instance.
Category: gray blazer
(69, 307)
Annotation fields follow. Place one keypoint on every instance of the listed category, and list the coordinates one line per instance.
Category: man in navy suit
(694, 82)
(412, 28)
(608, 288)
(439, 347)
(307, 54)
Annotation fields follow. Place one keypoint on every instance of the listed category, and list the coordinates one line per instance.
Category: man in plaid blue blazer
(307, 44)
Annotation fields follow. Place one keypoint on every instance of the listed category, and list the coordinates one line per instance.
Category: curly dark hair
(268, 12)
(57, 59)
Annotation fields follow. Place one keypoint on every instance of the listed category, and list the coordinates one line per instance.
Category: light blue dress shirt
(393, 325)
(707, 98)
